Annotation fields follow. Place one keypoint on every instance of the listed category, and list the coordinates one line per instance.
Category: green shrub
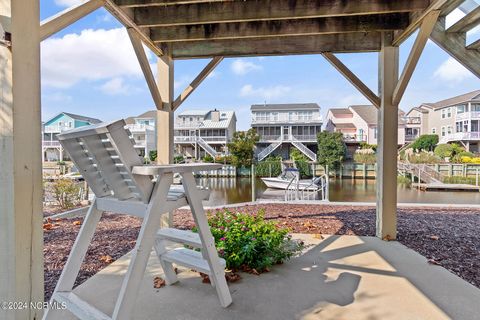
(448, 150)
(421, 157)
(268, 168)
(364, 145)
(178, 159)
(208, 158)
(248, 241)
(458, 157)
(404, 181)
(152, 155)
(331, 149)
(66, 193)
(425, 142)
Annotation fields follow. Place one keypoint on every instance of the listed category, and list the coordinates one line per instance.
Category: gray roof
(193, 113)
(286, 106)
(151, 114)
(82, 118)
(466, 97)
(336, 111)
(226, 117)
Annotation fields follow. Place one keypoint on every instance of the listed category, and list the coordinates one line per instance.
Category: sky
(90, 68)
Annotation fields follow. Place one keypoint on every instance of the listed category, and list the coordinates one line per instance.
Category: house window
(449, 112)
(375, 133)
(465, 126)
(458, 126)
(443, 131)
(474, 125)
(449, 129)
(444, 114)
(475, 107)
(434, 130)
(461, 109)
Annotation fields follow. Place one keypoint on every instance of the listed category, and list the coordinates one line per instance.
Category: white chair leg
(217, 271)
(79, 249)
(168, 270)
(145, 241)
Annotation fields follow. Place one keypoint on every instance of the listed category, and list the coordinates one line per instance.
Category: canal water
(236, 190)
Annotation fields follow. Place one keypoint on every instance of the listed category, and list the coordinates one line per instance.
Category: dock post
(253, 182)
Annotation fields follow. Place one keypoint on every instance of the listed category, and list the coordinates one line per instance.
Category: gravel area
(448, 237)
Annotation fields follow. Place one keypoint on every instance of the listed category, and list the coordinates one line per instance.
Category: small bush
(248, 241)
(178, 159)
(364, 145)
(448, 150)
(421, 157)
(425, 142)
(366, 156)
(152, 155)
(458, 157)
(208, 158)
(404, 181)
(66, 192)
(474, 160)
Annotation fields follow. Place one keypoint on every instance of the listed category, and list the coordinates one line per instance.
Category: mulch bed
(448, 237)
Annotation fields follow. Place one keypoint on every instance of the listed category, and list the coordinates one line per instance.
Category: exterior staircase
(211, 151)
(304, 149)
(422, 171)
(265, 152)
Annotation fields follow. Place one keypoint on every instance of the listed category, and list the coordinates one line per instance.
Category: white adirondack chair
(105, 156)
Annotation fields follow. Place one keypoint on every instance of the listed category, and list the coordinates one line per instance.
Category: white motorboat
(288, 180)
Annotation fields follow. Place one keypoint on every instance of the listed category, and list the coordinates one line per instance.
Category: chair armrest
(152, 170)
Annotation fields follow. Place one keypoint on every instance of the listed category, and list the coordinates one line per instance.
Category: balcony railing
(411, 137)
(56, 129)
(286, 119)
(287, 137)
(188, 139)
(187, 124)
(458, 136)
(412, 120)
(354, 138)
(468, 115)
(53, 144)
(139, 127)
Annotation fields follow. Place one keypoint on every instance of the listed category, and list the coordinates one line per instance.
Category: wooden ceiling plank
(259, 10)
(278, 28)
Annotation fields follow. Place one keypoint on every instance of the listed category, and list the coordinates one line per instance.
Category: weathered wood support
(145, 66)
(352, 78)
(21, 236)
(387, 142)
(423, 34)
(196, 82)
(65, 18)
(164, 126)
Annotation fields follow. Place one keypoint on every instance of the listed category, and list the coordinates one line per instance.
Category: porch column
(165, 117)
(21, 236)
(387, 142)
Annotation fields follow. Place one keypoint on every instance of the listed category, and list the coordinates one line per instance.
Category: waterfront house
(201, 132)
(52, 150)
(142, 129)
(285, 126)
(456, 119)
(358, 124)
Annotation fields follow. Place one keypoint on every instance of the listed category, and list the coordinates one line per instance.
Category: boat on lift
(289, 178)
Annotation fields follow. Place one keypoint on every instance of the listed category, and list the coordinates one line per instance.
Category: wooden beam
(466, 23)
(454, 45)
(149, 3)
(341, 42)
(352, 78)
(124, 16)
(196, 82)
(387, 151)
(65, 18)
(450, 6)
(276, 28)
(21, 189)
(422, 37)
(145, 66)
(241, 11)
(417, 19)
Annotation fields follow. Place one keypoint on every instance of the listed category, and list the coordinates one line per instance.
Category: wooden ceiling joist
(258, 10)
(147, 3)
(341, 42)
(276, 28)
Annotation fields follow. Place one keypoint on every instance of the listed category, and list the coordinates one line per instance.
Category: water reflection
(236, 190)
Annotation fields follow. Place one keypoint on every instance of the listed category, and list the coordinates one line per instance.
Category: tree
(331, 149)
(242, 147)
(426, 142)
(448, 150)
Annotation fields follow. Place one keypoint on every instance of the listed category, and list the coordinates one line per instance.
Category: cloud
(68, 3)
(92, 55)
(452, 71)
(267, 93)
(241, 67)
(57, 97)
(117, 86)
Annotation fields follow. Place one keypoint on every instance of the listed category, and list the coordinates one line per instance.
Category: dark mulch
(449, 237)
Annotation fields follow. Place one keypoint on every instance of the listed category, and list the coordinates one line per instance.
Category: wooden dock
(446, 187)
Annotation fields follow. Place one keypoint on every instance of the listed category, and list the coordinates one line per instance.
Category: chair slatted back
(105, 155)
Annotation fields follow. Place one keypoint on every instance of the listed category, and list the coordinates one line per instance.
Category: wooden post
(165, 117)
(21, 236)
(253, 182)
(387, 141)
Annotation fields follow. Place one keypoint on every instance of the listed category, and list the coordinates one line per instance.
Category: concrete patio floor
(340, 277)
